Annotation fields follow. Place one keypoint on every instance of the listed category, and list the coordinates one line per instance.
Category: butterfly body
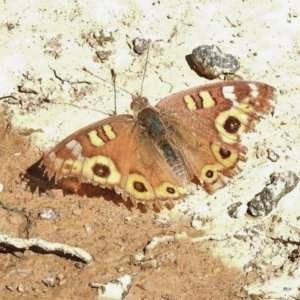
(156, 131)
(152, 155)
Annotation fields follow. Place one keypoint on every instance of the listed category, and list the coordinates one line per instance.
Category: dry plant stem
(47, 246)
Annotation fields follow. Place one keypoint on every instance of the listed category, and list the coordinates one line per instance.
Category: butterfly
(152, 155)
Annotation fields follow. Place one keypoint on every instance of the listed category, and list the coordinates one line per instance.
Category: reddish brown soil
(110, 233)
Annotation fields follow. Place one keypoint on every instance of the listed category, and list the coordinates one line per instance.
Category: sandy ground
(200, 251)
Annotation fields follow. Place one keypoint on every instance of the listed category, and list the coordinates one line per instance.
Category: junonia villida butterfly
(151, 156)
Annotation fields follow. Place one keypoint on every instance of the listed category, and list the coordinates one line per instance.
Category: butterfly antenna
(103, 80)
(147, 59)
(114, 76)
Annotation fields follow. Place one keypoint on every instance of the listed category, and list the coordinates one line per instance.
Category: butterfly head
(138, 103)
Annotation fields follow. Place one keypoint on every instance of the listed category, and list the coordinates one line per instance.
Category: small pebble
(88, 228)
(120, 269)
(10, 287)
(48, 281)
(211, 61)
(197, 224)
(48, 214)
(237, 210)
(140, 45)
(20, 288)
(77, 211)
(128, 219)
(79, 265)
(272, 155)
(241, 235)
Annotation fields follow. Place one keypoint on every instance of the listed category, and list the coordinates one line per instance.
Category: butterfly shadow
(37, 180)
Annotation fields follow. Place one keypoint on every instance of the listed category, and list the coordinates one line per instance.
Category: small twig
(114, 77)
(270, 66)
(230, 22)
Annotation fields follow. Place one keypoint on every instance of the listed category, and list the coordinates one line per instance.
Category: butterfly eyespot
(209, 174)
(170, 190)
(224, 156)
(232, 124)
(101, 170)
(224, 153)
(139, 186)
